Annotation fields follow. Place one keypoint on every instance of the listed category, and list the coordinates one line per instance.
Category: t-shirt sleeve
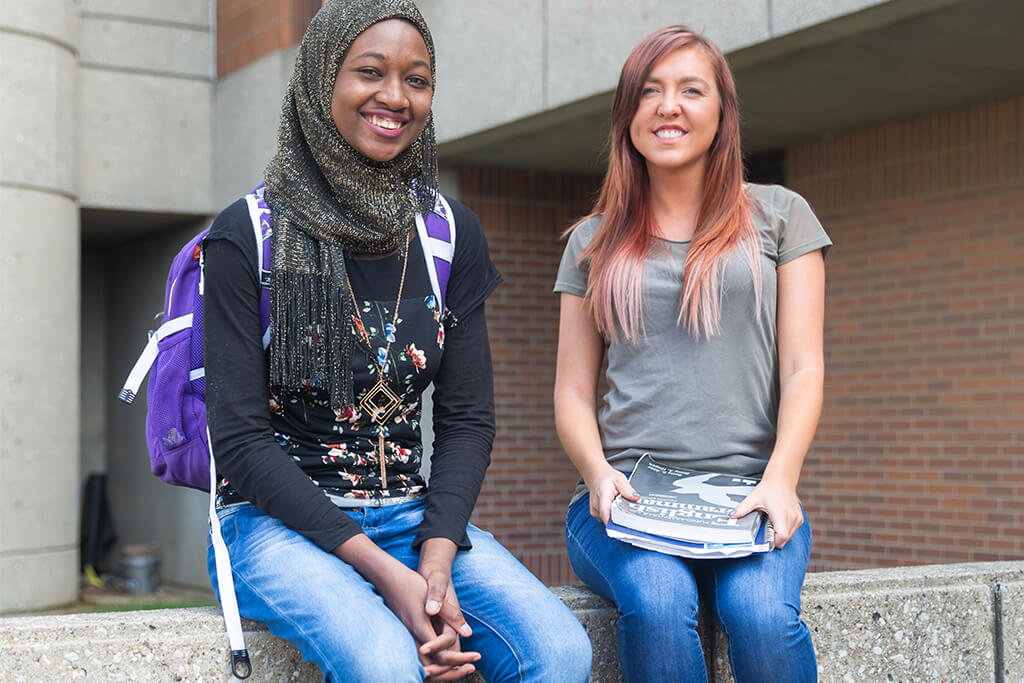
(572, 274)
(800, 232)
(474, 275)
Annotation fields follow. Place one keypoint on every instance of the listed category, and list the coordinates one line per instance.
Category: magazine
(687, 512)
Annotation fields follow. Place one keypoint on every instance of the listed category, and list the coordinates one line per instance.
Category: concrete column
(39, 305)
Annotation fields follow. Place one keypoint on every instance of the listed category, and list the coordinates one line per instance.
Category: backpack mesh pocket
(175, 421)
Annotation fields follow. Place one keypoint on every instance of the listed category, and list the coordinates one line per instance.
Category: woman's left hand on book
(779, 501)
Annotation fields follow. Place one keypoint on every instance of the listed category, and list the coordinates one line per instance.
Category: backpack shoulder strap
(259, 214)
(437, 237)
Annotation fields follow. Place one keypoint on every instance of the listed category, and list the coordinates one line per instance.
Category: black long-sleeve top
(286, 451)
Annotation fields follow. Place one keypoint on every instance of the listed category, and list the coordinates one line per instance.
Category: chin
(382, 154)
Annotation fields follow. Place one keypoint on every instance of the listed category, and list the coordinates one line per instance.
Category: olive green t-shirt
(708, 404)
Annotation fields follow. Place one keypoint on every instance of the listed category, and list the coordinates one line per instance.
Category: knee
(561, 657)
(657, 611)
(763, 622)
(377, 659)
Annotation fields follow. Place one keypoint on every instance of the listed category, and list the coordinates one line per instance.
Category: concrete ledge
(937, 622)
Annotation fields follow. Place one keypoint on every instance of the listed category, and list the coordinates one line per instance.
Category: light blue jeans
(756, 599)
(333, 616)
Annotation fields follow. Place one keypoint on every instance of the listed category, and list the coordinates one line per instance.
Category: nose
(668, 106)
(392, 94)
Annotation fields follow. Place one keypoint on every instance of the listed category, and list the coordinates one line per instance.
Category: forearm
(799, 409)
(576, 424)
(800, 319)
(464, 431)
(372, 563)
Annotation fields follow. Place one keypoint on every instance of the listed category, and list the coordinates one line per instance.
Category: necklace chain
(381, 401)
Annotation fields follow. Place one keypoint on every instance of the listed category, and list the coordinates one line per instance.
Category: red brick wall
(530, 481)
(250, 29)
(920, 453)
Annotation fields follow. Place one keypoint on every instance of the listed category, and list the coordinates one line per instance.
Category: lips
(386, 123)
(669, 133)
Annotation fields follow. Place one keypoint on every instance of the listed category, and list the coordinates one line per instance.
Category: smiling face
(383, 91)
(677, 117)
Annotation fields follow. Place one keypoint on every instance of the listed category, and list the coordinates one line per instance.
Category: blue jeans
(334, 617)
(756, 599)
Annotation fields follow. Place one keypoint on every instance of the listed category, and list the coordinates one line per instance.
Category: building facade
(126, 125)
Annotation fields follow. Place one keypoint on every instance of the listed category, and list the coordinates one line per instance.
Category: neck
(675, 196)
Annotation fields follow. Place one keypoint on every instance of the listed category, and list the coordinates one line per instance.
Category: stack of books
(687, 512)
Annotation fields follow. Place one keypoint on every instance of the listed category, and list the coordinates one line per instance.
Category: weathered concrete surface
(1011, 604)
(157, 645)
(925, 623)
(939, 622)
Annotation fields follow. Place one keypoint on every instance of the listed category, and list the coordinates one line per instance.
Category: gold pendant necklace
(381, 401)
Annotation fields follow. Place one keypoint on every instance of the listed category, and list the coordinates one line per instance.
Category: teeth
(390, 124)
(669, 133)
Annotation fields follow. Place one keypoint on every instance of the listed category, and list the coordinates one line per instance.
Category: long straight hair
(623, 238)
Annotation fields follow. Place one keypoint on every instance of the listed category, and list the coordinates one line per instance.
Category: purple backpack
(176, 433)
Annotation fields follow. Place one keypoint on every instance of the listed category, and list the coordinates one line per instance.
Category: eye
(369, 72)
(648, 90)
(694, 92)
(418, 82)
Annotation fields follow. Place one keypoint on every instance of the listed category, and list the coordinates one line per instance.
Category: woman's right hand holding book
(604, 486)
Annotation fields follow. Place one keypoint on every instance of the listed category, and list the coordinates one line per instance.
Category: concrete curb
(935, 622)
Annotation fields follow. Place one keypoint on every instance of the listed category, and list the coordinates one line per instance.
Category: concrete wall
(951, 623)
(145, 126)
(146, 108)
(39, 355)
(247, 109)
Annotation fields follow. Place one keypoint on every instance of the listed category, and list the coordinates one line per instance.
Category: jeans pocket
(228, 517)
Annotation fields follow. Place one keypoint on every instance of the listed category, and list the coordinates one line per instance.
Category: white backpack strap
(256, 213)
(450, 215)
(241, 667)
(148, 355)
(434, 247)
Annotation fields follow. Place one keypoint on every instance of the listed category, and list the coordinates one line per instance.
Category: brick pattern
(528, 486)
(919, 457)
(250, 29)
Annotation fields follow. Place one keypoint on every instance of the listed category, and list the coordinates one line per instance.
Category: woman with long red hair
(707, 296)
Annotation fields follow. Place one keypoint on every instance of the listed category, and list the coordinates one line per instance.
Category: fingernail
(433, 604)
(465, 630)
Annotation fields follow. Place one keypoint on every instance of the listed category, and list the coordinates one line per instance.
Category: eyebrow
(377, 55)
(684, 79)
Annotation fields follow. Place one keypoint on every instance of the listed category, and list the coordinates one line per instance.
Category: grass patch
(131, 607)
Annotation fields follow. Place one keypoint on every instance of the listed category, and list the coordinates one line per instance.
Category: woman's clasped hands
(426, 603)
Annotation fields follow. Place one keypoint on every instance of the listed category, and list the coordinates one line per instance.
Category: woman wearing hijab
(337, 544)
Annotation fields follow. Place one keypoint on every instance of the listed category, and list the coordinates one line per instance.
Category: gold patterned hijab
(327, 199)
